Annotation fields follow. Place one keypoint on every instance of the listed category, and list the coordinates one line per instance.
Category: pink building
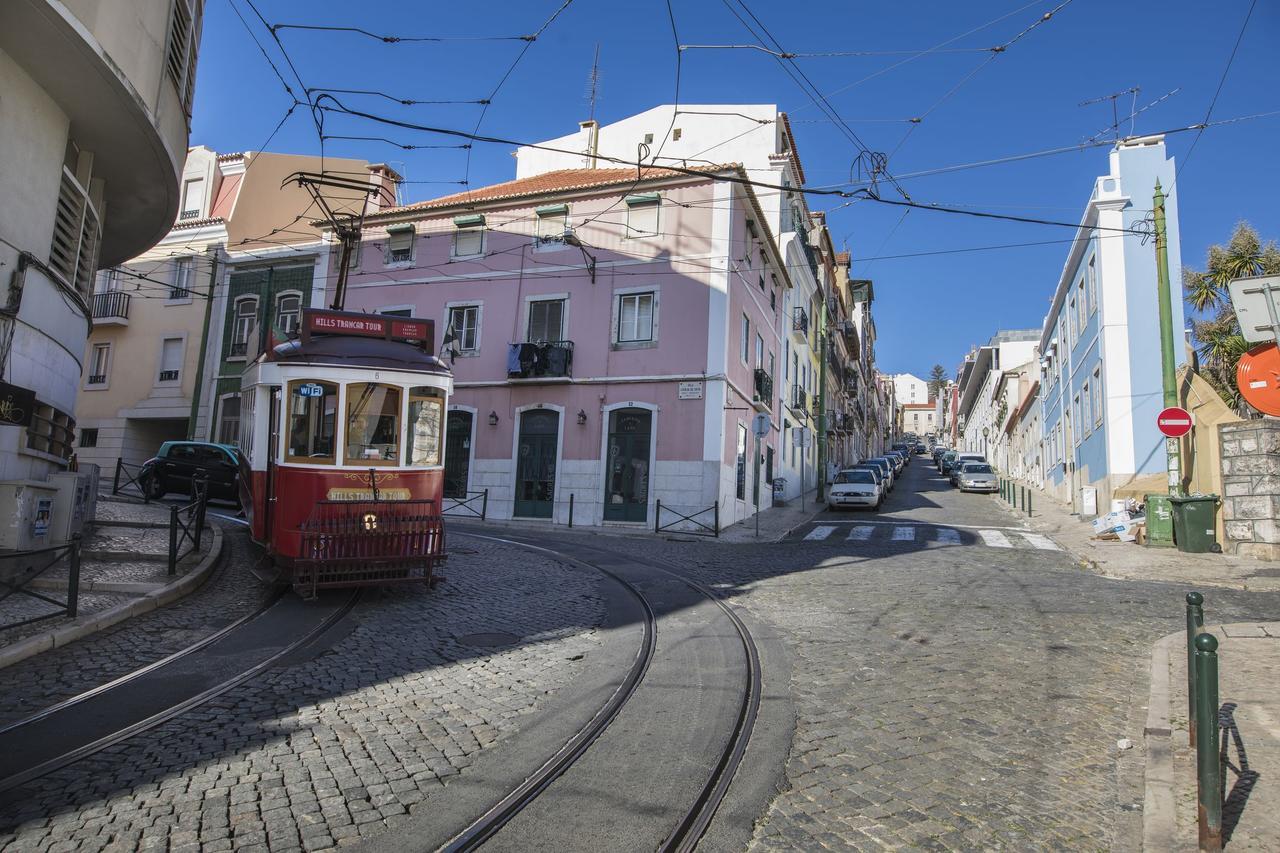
(613, 334)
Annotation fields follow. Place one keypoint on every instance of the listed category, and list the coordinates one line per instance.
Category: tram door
(536, 463)
(457, 454)
(626, 487)
(273, 447)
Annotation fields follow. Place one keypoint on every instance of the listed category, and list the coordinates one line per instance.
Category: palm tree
(1218, 338)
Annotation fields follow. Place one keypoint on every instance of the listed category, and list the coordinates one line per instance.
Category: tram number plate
(311, 389)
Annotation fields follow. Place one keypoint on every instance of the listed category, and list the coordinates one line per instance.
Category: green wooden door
(457, 453)
(626, 486)
(536, 463)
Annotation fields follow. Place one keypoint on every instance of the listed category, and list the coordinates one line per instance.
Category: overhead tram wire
(408, 102)
(400, 39)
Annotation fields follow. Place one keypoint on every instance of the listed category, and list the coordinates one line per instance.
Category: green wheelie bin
(1195, 527)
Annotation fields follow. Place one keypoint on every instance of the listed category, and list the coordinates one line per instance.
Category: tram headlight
(370, 521)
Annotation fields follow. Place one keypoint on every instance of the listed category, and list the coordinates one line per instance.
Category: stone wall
(1251, 488)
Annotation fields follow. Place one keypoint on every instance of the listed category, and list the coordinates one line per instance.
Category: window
(771, 368)
(642, 214)
(465, 322)
(244, 321)
(108, 281)
(742, 463)
(1072, 326)
(51, 431)
(546, 320)
(675, 135)
(99, 363)
(553, 222)
(229, 420)
(396, 312)
(635, 317)
(181, 286)
(373, 424)
(192, 198)
(1077, 427)
(426, 414)
(184, 38)
(759, 351)
(313, 408)
(289, 312)
(1083, 317)
(170, 359)
(400, 244)
(745, 347)
(1097, 397)
(468, 240)
(1092, 278)
(89, 437)
(73, 252)
(1086, 403)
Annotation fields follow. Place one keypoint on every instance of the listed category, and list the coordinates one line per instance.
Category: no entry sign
(1174, 422)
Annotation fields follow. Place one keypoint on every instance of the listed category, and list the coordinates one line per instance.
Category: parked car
(944, 464)
(887, 467)
(898, 459)
(977, 477)
(904, 449)
(854, 488)
(876, 471)
(177, 462)
(962, 460)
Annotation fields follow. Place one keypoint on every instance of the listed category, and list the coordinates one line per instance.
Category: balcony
(540, 360)
(238, 349)
(111, 308)
(799, 399)
(168, 376)
(97, 379)
(800, 321)
(763, 397)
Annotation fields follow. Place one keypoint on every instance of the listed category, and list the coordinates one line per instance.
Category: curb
(1159, 816)
(152, 600)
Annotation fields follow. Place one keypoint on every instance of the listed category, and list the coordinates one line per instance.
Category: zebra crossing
(929, 535)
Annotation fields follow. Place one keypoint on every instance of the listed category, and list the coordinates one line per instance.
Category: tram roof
(343, 351)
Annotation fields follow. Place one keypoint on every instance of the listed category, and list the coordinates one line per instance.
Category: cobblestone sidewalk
(341, 746)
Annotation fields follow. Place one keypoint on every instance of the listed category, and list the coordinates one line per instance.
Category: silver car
(977, 477)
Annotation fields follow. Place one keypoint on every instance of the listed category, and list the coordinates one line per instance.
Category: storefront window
(426, 414)
(313, 409)
(373, 424)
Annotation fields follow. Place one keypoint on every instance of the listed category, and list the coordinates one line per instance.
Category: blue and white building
(1100, 386)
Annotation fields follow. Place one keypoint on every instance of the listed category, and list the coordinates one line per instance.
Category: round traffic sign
(1258, 378)
(1174, 422)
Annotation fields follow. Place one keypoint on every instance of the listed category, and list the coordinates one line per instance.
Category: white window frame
(546, 297)
(1097, 396)
(395, 310)
(392, 236)
(1092, 279)
(222, 417)
(455, 254)
(449, 308)
(1082, 310)
(1086, 410)
(549, 230)
(236, 317)
(280, 297)
(616, 321)
(180, 288)
(181, 338)
(187, 208)
(89, 385)
(744, 346)
(182, 45)
(633, 233)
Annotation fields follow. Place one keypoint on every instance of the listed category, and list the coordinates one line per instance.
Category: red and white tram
(342, 433)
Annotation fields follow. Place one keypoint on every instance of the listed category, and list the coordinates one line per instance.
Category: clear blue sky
(930, 308)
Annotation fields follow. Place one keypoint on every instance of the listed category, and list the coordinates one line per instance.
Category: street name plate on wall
(17, 405)
(690, 390)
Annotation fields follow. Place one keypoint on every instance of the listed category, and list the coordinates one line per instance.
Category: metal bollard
(73, 577)
(1024, 498)
(1208, 759)
(1028, 502)
(484, 505)
(716, 507)
(571, 509)
(1195, 624)
(657, 514)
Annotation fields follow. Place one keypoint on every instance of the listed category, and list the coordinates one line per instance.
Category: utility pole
(215, 257)
(1171, 445)
(822, 399)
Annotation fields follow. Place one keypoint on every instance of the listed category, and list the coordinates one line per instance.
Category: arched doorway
(457, 453)
(626, 484)
(536, 463)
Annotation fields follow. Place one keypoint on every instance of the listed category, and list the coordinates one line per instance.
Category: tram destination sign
(317, 321)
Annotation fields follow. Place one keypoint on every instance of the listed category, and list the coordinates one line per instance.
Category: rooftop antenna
(593, 83)
(1115, 113)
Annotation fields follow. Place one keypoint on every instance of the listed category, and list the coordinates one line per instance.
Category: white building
(910, 389)
(94, 118)
(981, 415)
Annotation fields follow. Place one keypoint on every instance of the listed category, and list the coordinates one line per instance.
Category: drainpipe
(822, 399)
(204, 345)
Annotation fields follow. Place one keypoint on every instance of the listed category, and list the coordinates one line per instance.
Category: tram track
(697, 816)
(91, 721)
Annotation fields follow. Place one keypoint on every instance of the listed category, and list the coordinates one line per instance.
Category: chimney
(592, 127)
(387, 180)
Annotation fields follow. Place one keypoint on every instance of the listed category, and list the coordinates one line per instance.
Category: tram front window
(313, 410)
(373, 424)
(426, 413)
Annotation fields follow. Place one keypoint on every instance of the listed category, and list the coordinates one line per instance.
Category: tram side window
(313, 410)
(426, 415)
(373, 424)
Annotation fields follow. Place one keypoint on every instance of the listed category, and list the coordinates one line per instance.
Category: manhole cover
(496, 638)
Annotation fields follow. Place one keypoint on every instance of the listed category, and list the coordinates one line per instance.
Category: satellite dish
(1258, 378)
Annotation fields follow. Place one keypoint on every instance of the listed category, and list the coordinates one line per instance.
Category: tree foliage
(1219, 343)
(937, 381)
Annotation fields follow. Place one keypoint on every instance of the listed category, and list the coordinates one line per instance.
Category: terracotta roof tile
(562, 180)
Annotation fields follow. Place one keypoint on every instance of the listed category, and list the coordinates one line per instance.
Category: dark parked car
(172, 469)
